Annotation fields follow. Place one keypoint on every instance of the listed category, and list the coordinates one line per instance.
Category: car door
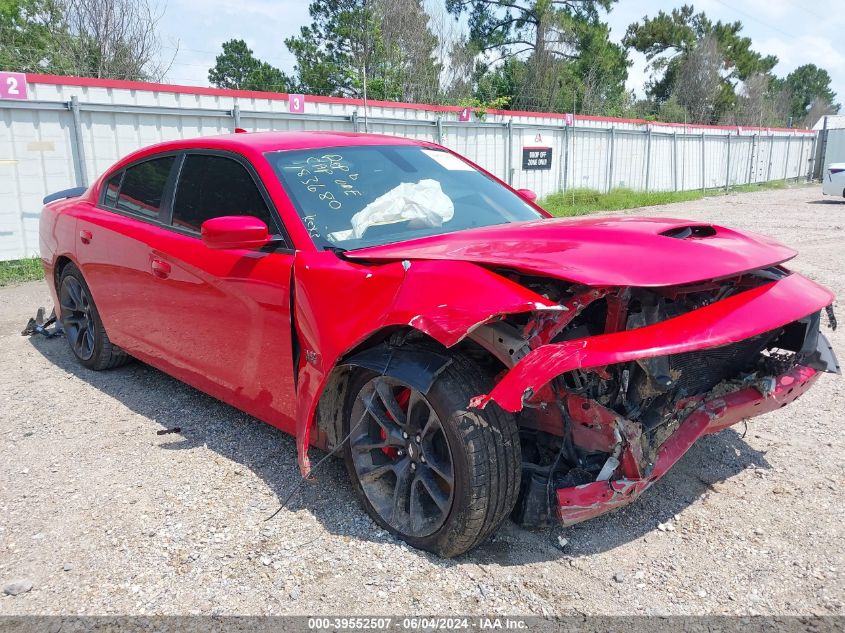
(223, 320)
(115, 239)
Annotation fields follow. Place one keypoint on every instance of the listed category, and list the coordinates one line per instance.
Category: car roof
(249, 142)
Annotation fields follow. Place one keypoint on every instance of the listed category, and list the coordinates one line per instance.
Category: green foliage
(92, 38)
(236, 67)
(806, 84)
(668, 39)
(29, 34)
(553, 54)
(386, 42)
(480, 107)
(20, 270)
(671, 111)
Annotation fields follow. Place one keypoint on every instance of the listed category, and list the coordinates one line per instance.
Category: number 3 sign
(296, 104)
(13, 86)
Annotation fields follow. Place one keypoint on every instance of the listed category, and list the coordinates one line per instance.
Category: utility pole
(364, 63)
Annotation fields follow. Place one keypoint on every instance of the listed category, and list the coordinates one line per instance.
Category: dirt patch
(102, 515)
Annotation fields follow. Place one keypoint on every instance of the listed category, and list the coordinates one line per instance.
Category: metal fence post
(566, 133)
(728, 164)
(771, 156)
(703, 165)
(354, 120)
(823, 137)
(78, 148)
(811, 170)
(751, 157)
(236, 116)
(560, 149)
(509, 161)
(611, 158)
(800, 160)
(675, 160)
(439, 130)
(648, 159)
(786, 160)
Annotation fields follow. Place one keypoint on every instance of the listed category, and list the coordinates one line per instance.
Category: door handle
(85, 236)
(160, 268)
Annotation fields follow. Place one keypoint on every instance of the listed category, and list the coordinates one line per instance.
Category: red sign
(296, 104)
(465, 115)
(13, 86)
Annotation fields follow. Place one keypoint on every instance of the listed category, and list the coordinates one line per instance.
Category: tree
(809, 84)
(555, 52)
(668, 39)
(25, 43)
(114, 39)
(698, 83)
(236, 67)
(387, 43)
(763, 101)
(819, 108)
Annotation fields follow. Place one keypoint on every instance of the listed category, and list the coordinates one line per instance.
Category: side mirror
(235, 231)
(527, 194)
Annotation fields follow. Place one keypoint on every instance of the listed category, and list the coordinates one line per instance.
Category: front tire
(427, 469)
(83, 327)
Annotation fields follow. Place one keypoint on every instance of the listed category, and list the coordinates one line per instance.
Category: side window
(214, 186)
(112, 187)
(143, 187)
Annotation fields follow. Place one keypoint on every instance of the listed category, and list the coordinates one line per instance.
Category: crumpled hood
(601, 251)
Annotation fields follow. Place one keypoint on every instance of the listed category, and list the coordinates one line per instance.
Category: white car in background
(833, 181)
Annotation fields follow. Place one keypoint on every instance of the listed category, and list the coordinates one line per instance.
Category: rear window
(143, 187)
(112, 187)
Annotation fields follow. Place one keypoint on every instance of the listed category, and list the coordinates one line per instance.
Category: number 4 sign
(13, 86)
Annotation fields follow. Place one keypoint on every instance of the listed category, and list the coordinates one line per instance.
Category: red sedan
(470, 356)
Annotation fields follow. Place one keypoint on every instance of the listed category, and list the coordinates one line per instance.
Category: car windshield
(352, 197)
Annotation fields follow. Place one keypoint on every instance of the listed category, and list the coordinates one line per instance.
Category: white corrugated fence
(68, 130)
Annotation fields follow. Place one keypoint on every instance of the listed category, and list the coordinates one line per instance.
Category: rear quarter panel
(56, 232)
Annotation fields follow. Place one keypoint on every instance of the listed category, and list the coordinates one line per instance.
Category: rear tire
(83, 326)
(435, 474)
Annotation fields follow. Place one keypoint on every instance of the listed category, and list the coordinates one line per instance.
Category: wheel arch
(400, 352)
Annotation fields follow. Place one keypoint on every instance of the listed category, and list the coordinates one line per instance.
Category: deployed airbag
(423, 203)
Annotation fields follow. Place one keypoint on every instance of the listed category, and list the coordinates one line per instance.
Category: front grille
(701, 370)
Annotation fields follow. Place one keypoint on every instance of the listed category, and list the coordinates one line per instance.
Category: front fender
(339, 304)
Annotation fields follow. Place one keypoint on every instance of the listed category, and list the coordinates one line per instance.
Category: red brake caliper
(402, 399)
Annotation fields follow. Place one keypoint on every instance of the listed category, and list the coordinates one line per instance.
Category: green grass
(773, 184)
(584, 201)
(20, 270)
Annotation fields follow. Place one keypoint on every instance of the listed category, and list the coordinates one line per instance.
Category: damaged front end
(613, 388)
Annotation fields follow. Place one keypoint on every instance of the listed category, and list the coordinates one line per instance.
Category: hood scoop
(686, 232)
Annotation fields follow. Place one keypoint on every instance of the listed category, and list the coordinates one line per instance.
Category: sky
(797, 31)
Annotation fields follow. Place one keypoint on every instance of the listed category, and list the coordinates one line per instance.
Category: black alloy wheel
(426, 467)
(402, 457)
(84, 331)
(77, 318)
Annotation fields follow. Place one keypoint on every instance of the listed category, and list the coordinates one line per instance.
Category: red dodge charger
(469, 356)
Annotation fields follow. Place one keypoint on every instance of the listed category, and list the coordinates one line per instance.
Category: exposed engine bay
(603, 423)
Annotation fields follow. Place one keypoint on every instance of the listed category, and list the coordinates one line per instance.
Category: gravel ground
(100, 515)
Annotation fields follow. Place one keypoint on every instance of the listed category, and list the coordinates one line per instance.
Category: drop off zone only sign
(536, 158)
